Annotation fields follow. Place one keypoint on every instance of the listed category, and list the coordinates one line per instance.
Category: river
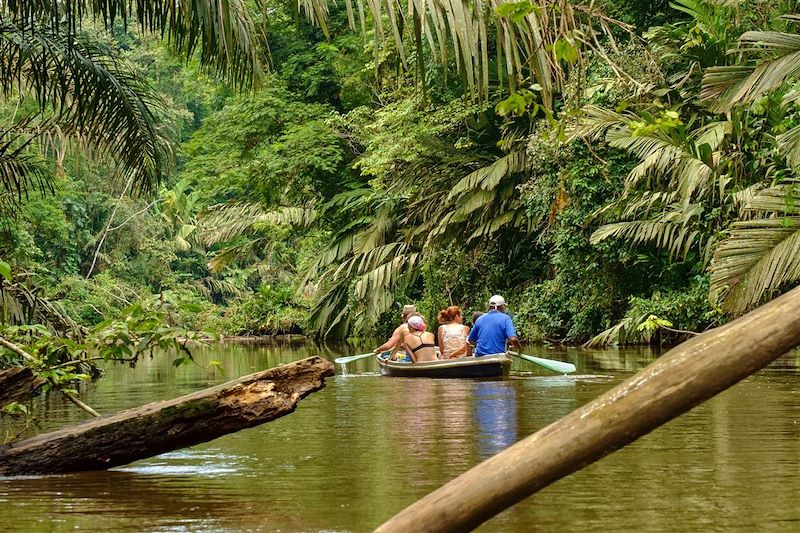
(364, 447)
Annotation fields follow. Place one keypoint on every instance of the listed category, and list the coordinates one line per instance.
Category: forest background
(620, 170)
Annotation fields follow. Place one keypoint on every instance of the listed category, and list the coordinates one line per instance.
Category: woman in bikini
(452, 333)
(419, 344)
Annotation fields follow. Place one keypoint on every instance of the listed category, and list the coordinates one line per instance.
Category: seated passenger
(493, 331)
(396, 340)
(452, 333)
(419, 344)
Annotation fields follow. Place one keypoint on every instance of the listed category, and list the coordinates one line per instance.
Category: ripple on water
(209, 463)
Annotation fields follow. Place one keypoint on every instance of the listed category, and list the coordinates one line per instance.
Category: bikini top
(422, 345)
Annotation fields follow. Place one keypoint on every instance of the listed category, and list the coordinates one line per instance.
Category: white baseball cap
(497, 300)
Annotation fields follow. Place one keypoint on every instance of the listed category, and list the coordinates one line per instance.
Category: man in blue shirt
(491, 331)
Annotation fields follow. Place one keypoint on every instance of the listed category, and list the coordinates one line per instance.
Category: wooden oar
(556, 366)
(350, 358)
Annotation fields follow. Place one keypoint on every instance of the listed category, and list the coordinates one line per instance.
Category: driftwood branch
(37, 382)
(169, 425)
(678, 381)
(19, 351)
(17, 384)
(74, 399)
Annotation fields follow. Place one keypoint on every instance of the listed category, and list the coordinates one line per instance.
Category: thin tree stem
(108, 225)
(74, 399)
(136, 214)
(680, 330)
(19, 351)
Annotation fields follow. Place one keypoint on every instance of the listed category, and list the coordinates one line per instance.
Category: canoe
(463, 367)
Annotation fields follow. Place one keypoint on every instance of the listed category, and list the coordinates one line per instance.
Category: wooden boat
(463, 367)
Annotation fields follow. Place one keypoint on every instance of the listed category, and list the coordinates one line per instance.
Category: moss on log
(160, 427)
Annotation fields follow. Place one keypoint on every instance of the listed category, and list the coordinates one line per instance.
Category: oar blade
(556, 366)
(351, 358)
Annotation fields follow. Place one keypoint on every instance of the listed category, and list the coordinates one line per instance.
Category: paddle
(555, 366)
(350, 358)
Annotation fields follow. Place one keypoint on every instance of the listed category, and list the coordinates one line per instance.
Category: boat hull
(463, 367)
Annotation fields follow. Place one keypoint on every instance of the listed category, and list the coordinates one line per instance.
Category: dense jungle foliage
(620, 170)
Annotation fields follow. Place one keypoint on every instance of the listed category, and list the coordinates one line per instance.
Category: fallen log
(17, 384)
(160, 427)
(682, 378)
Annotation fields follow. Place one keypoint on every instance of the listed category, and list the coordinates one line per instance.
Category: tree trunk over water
(17, 384)
(169, 425)
(682, 378)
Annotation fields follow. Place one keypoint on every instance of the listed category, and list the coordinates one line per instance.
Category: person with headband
(419, 344)
(493, 330)
(399, 332)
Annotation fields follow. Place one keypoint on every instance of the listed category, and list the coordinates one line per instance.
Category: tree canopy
(622, 171)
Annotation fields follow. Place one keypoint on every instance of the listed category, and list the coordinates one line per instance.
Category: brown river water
(363, 448)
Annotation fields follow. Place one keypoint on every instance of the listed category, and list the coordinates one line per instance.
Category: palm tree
(84, 93)
(761, 254)
(712, 175)
(771, 63)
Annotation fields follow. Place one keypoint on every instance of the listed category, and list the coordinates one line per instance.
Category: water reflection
(457, 423)
(496, 416)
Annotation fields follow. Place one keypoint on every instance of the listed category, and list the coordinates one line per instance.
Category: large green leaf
(5, 270)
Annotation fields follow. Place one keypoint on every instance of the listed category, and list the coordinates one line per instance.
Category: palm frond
(597, 122)
(225, 222)
(361, 288)
(487, 178)
(21, 169)
(673, 231)
(728, 86)
(782, 200)
(626, 331)
(374, 289)
(339, 249)
(220, 287)
(228, 255)
(223, 32)
(757, 258)
(24, 303)
(95, 98)
(789, 146)
(331, 311)
(381, 224)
